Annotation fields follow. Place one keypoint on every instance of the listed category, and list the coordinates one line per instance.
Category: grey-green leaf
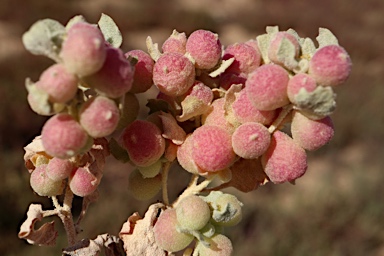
(45, 38)
(110, 31)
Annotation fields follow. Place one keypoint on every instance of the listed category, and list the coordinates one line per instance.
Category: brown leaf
(171, 130)
(45, 235)
(137, 234)
(87, 247)
(247, 175)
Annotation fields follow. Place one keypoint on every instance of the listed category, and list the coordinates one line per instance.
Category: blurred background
(337, 208)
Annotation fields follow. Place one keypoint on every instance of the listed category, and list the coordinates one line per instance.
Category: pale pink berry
(284, 160)
(275, 44)
(142, 188)
(330, 65)
(247, 58)
(142, 78)
(82, 182)
(229, 79)
(193, 213)
(43, 185)
(83, 50)
(144, 142)
(173, 74)
(115, 77)
(59, 169)
(175, 43)
(216, 116)
(184, 156)
(99, 116)
(311, 134)
(250, 140)
(299, 81)
(166, 235)
(58, 83)
(63, 137)
(212, 148)
(205, 48)
(266, 87)
(201, 92)
(244, 111)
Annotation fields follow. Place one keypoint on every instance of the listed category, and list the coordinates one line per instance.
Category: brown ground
(335, 209)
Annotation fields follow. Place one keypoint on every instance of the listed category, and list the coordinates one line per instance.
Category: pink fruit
(330, 65)
(247, 58)
(299, 81)
(115, 77)
(244, 111)
(82, 182)
(59, 169)
(142, 79)
(266, 87)
(166, 235)
(284, 160)
(212, 148)
(43, 185)
(250, 140)
(217, 116)
(99, 116)
(144, 143)
(63, 137)
(184, 155)
(205, 48)
(219, 245)
(173, 74)
(175, 43)
(83, 50)
(60, 85)
(201, 92)
(311, 134)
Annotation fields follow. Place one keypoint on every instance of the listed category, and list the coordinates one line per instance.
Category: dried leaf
(45, 38)
(316, 104)
(45, 235)
(110, 31)
(86, 247)
(153, 49)
(171, 130)
(33, 151)
(192, 106)
(326, 37)
(247, 175)
(223, 66)
(137, 234)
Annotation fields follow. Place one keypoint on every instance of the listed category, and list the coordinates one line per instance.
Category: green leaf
(110, 31)
(45, 38)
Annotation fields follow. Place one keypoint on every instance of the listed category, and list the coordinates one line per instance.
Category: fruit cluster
(246, 113)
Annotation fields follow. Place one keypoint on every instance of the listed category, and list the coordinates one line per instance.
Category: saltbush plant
(241, 115)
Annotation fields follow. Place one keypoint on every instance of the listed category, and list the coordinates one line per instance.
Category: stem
(164, 181)
(284, 112)
(65, 214)
(194, 188)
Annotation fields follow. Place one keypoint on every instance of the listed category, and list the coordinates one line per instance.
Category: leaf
(223, 66)
(192, 106)
(88, 247)
(45, 38)
(316, 104)
(153, 49)
(137, 234)
(171, 130)
(45, 235)
(326, 37)
(110, 31)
